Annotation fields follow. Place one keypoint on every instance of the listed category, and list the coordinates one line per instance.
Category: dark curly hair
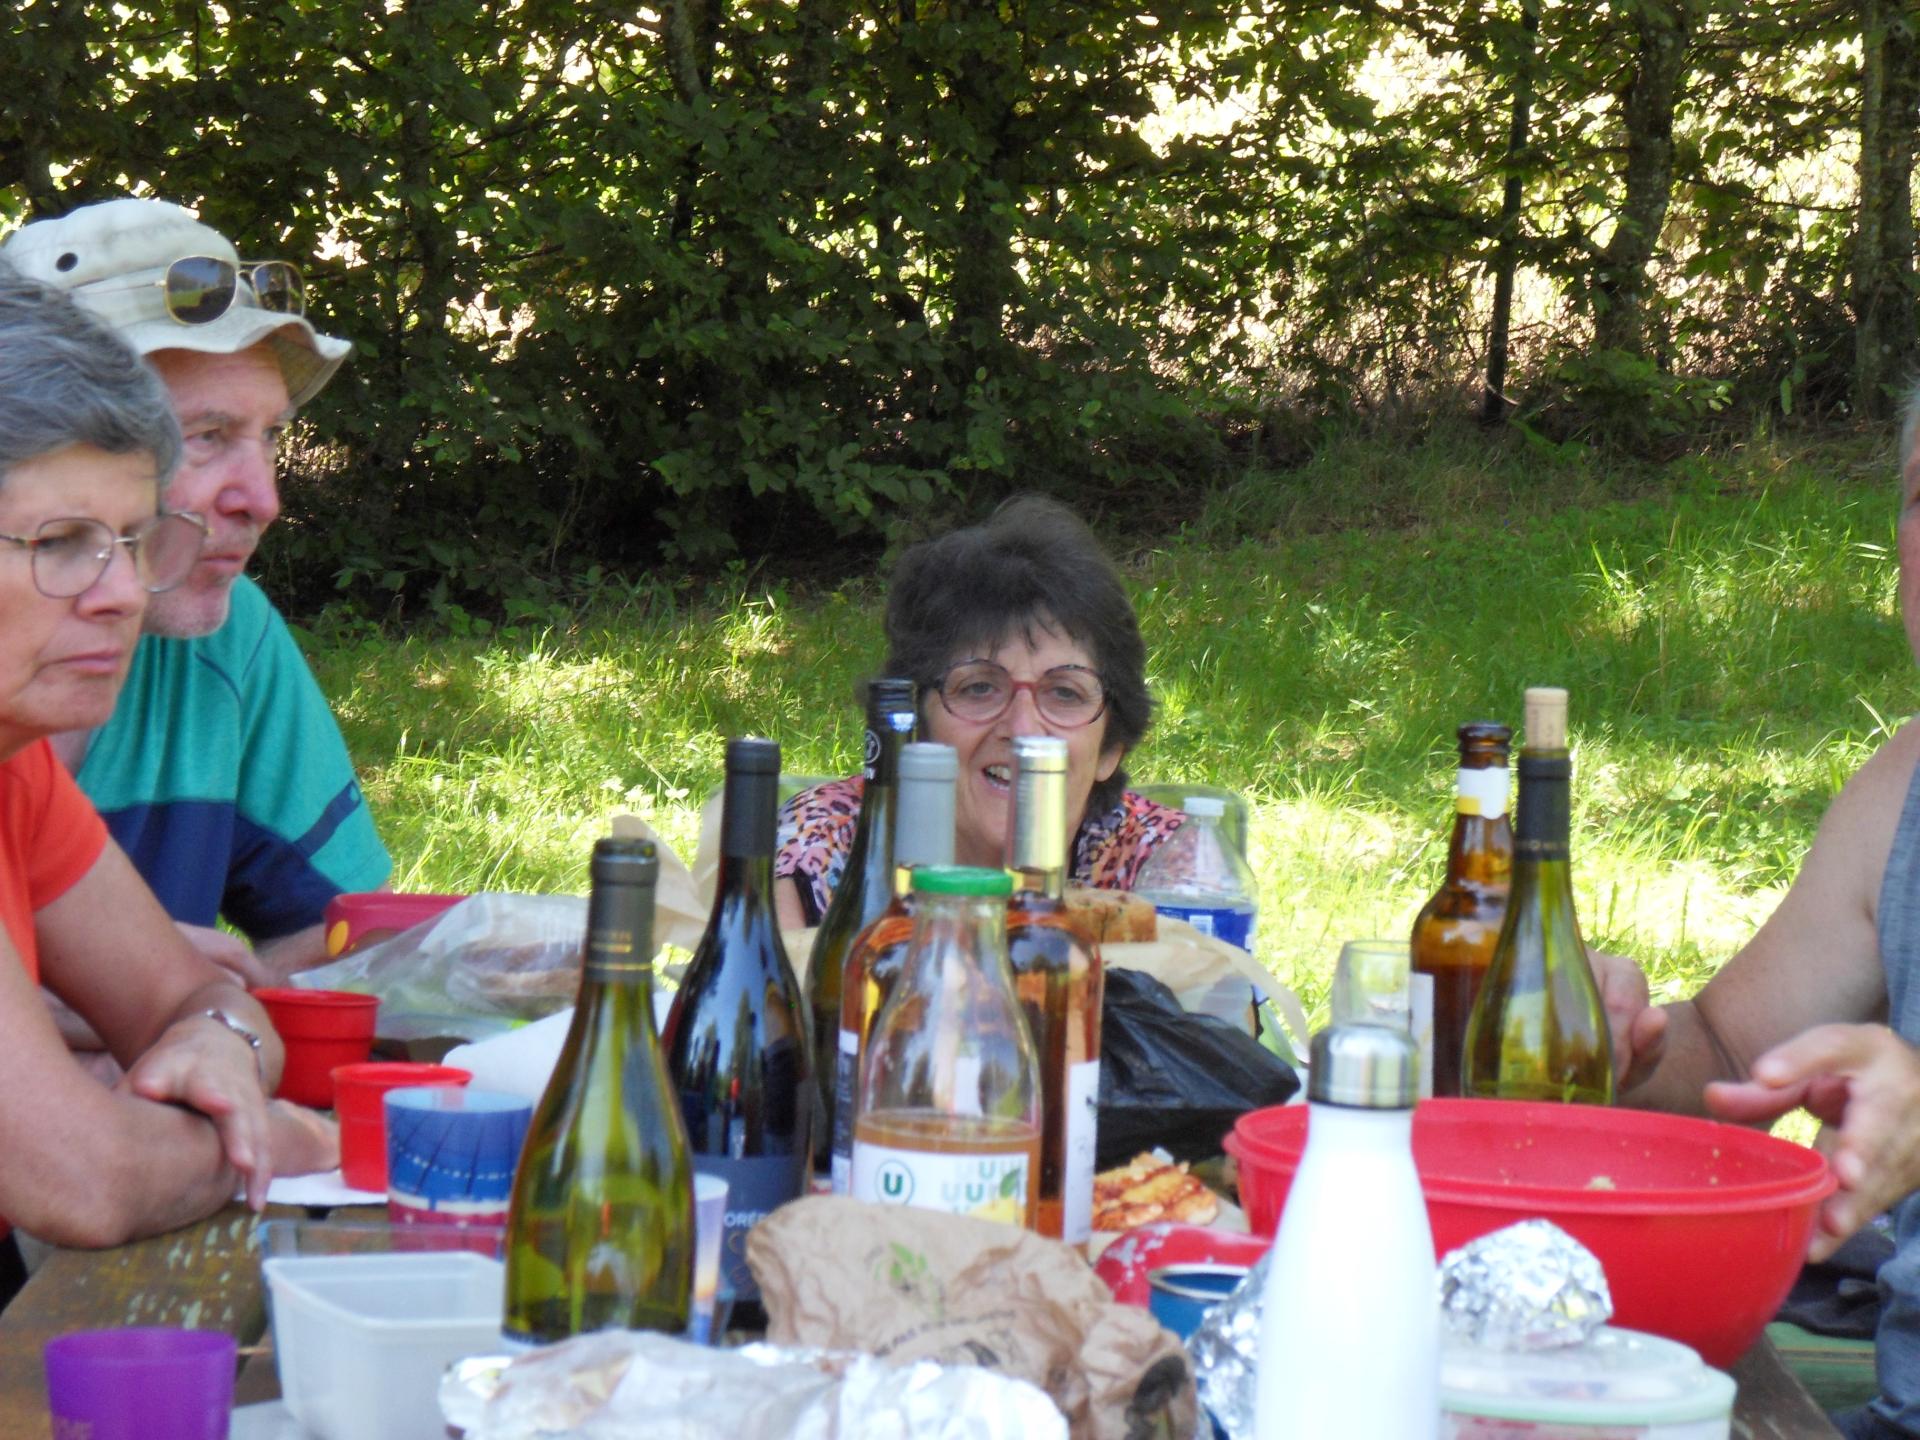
(1032, 564)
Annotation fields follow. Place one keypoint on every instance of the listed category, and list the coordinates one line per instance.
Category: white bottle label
(1482, 792)
(1076, 1178)
(846, 1081)
(987, 1187)
(1420, 1026)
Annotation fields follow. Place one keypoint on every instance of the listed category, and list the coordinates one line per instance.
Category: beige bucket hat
(113, 257)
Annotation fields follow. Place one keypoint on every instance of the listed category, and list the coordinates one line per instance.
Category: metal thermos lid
(1367, 1067)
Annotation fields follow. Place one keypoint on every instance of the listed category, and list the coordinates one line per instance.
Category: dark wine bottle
(736, 1040)
(865, 889)
(600, 1226)
(1539, 1029)
(1454, 934)
(923, 836)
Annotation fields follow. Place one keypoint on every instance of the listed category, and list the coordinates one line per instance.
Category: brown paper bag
(679, 911)
(909, 1285)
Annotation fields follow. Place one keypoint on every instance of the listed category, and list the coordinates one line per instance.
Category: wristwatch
(245, 1031)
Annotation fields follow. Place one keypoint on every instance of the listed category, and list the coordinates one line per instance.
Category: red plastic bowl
(1701, 1227)
(363, 918)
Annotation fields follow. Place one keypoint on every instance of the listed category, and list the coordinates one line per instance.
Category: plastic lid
(961, 880)
(1205, 805)
(1617, 1378)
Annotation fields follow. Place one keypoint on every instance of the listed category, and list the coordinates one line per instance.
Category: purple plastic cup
(141, 1383)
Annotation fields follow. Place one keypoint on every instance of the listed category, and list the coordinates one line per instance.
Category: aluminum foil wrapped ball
(1530, 1286)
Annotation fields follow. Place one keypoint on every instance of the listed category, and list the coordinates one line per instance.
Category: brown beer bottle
(1453, 936)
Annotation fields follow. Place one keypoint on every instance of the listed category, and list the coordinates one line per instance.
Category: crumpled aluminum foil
(1530, 1286)
(1225, 1350)
(635, 1385)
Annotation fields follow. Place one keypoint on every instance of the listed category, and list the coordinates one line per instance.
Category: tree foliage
(739, 276)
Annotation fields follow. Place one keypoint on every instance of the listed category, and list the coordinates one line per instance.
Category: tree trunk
(1883, 280)
(1493, 408)
(1646, 112)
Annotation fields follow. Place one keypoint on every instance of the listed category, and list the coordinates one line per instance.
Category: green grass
(1726, 626)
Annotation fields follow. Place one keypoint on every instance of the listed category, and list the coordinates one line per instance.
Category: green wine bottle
(600, 1227)
(1538, 1029)
(864, 891)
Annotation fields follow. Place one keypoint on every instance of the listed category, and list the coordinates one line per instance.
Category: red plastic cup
(358, 1094)
(322, 1030)
(141, 1383)
(368, 917)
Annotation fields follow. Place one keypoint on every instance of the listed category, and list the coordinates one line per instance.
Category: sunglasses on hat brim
(199, 289)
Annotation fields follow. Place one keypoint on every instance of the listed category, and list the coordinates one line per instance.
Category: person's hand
(1639, 1028)
(305, 1142)
(202, 1065)
(230, 953)
(1864, 1082)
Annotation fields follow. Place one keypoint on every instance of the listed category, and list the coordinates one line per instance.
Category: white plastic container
(1620, 1385)
(361, 1341)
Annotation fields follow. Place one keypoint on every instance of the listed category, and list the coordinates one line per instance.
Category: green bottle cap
(961, 880)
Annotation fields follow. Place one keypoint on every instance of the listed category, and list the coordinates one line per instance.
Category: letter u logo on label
(895, 1183)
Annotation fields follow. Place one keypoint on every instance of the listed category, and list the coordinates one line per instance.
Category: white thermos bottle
(1350, 1322)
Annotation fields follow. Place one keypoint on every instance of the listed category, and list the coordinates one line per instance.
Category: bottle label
(1230, 923)
(757, 1185)
(987, 1187)
(1420, 1024)
(1076, 1176)
(846, 1076)
(1482, 792)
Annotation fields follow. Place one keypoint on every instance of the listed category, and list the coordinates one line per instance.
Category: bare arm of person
(1816, 960)
(786, 904)
(302, 950)
(109, 951)
(87, 1165)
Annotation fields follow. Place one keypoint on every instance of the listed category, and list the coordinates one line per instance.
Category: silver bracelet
(245, 1032)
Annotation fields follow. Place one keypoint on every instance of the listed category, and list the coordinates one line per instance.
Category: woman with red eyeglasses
(1017, 626)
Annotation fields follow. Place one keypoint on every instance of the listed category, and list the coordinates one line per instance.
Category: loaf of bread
(1112, 916)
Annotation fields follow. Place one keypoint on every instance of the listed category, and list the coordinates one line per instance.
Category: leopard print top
(817, 825)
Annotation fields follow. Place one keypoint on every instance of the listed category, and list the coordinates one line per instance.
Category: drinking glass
(1370, 983)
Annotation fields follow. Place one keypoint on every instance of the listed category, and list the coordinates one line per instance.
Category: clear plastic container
(1619, 1385)
(360, 1341)
(1199, 877)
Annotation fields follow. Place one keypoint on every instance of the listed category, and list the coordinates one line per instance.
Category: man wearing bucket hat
(222, 772)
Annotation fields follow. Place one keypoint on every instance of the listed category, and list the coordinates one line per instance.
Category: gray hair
(66, 379)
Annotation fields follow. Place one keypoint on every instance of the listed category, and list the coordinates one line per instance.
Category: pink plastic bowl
(1701, 1227)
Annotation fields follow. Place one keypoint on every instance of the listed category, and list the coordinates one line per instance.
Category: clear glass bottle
(600, 1224)
(1539, 1029)
(736, 1039)
(1199, 876)
(950, 1088)
(923, 835)
(865, 889)
(1454, 934)
(1057, 975)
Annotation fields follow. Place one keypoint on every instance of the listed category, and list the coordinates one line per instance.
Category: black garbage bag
(1172, 1079)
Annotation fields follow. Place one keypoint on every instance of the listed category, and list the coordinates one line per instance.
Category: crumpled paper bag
(910, 1285)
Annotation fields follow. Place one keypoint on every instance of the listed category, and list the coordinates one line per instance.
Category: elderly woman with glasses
(87, 442)
(1018, 626)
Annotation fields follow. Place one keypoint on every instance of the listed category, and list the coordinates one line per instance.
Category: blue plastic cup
(1181, 1295)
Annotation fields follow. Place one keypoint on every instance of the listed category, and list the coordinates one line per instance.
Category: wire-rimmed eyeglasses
(70, 555)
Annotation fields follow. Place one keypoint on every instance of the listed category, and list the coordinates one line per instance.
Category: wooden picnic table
(208, 1275)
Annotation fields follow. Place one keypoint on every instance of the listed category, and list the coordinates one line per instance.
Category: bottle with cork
(1539, 1030)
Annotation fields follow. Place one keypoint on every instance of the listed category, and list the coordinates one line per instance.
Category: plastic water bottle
(1349, 1321)
(1198, 876)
